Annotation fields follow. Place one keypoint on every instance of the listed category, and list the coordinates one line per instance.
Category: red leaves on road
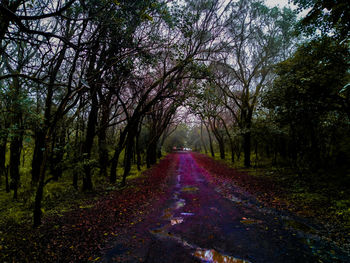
(222, 175)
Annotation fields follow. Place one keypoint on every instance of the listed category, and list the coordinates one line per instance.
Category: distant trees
(296, 108)
(309, 97)
(253, 50)
(177, 138)
(256, 37)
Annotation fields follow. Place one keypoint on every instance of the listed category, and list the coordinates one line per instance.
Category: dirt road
(197, 222)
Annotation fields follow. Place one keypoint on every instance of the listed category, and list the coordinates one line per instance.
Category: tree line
(281, 90)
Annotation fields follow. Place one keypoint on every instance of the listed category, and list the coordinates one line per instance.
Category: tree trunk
(128, 158)
(37, 204)
(222, 149)
(3, 143)
(159, 152)
(231, 142)
(103, 154)
(220, 140)
(57, 154)
(151, 154)
(114, 166)
(37, 213)
(148, 162)
(15, 160)
(138, 153)
(102, 142)
(256, 154)
(115, 159)
(210, 142)
(7, 185)
(76, 153)
(89, 139)
(237, 142)
(246, 148)
(16, 138)
(232, 153)
(202, 141)
(41, 133)
(37, 155)
(75, 180)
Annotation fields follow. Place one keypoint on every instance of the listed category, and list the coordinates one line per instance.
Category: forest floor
(188, 208)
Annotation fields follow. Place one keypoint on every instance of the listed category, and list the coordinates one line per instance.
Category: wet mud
(198, 222)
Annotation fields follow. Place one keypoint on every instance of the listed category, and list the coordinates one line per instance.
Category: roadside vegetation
(322, 198)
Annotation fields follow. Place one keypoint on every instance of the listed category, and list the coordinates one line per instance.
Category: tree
(250, 52)
(158, 120)
(4, 134)
(177, 138)
(329, 17)
(17, 108)
(307, 98)
(177, 45)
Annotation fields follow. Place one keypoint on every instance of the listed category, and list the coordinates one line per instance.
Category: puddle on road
(189, 189)
(162, 232)
(187, 214)
(176, 220)
(206, 255)
(234, 199)
(309, 242)
(249, 221)
(211, 255)
(179, 204)
(157, 231)
(178, 180)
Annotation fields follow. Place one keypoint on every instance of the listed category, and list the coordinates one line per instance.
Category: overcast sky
(281, 3)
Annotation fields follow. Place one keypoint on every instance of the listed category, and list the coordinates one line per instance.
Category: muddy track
(198, 222)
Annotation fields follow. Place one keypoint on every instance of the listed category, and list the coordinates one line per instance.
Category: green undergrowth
(322, 194)
(59, 197)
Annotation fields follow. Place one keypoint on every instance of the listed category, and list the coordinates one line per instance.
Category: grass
(324, 194)
(59, 197)
(78, 223)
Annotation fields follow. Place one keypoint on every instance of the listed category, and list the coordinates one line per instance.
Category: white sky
(280, 3)
(283, 3)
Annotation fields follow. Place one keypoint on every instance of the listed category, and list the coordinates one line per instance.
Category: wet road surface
(199, 223)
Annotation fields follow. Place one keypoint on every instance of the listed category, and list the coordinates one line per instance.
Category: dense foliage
(310, 104)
